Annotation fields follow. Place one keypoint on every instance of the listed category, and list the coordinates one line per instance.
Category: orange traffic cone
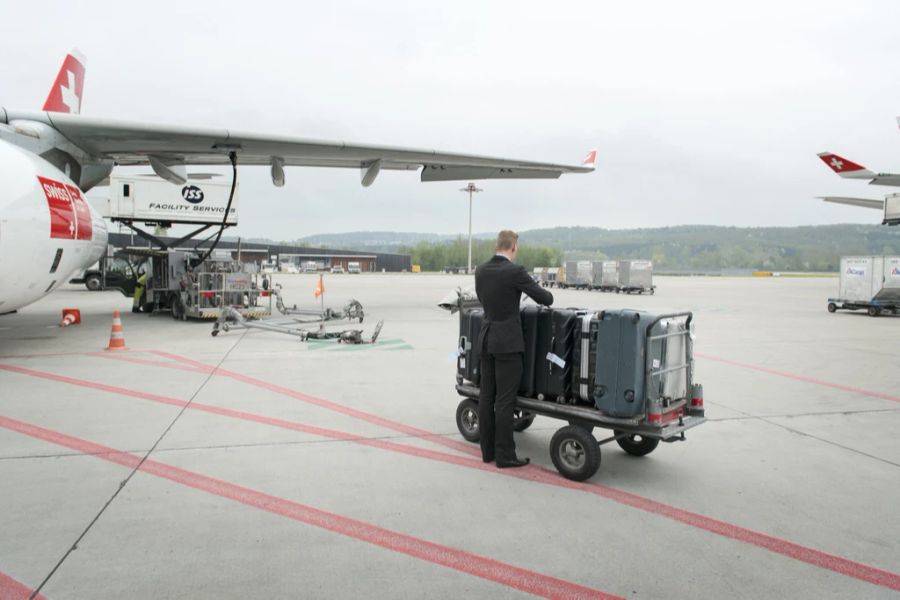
(116, 337)
(71, 316)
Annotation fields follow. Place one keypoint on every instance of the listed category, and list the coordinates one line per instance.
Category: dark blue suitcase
(532, 318)
(556, 340)
(619, 379)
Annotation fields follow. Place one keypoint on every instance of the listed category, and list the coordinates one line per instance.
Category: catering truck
(869, 283)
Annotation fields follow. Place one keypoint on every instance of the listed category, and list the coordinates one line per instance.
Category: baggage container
(891, 210)
(870, 283)
(468, 361)
(579, 274)
(556, 338)
(606, 276)
(550, 274)
(636, 276)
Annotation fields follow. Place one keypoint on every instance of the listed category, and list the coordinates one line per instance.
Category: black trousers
(500, 377)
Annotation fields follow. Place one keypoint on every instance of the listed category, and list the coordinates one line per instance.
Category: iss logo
(192, 194)
(895, 272)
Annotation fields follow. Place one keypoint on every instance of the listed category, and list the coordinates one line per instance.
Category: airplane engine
(48, 231)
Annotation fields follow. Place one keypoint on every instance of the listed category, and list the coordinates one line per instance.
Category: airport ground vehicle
(606, 276)
(310, 266)
(353, 267)
(288, 267)
(869, 283)
(337, 269)
(663, 401)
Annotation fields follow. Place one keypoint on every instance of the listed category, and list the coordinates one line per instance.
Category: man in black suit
(499, 284)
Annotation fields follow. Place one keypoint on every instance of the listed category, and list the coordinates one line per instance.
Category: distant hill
(812, 248)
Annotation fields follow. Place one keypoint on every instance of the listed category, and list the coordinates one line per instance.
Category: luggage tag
(556, 360)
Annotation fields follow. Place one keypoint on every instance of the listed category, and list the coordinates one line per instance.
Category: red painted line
(10, 589)
(254, 418)
(803, 378)
(541, 475)
(327, 404)
(459, 560)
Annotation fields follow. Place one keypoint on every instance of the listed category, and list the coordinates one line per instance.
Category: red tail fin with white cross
(68, 89)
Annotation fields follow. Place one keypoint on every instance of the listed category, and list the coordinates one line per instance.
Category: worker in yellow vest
(139, 292)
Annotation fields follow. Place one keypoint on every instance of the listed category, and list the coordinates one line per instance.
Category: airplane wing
(863, 202)
(140, 144)
(851, 170)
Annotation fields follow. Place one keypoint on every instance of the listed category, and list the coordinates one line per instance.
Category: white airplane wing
(141, 144)
(851, 170)
(863, 202)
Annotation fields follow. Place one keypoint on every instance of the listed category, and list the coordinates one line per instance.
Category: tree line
(436, 256)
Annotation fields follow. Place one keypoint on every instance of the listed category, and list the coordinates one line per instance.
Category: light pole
(471, 189)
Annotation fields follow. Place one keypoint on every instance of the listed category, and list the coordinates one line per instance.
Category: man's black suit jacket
(499, 284)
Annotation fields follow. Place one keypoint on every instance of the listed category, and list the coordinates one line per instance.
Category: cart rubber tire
(636, 444)
(215, 332)
(467, 420)
(575, 453)
(522, 420)
(832, 307)
(873, 311)
(93, 283)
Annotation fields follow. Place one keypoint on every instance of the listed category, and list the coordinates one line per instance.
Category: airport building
(259, 253)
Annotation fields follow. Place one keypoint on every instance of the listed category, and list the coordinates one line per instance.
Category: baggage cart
(664, 416)
(606, 276)
(636, 276)
(869, 283)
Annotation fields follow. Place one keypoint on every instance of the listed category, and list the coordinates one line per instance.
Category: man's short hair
(506, 240)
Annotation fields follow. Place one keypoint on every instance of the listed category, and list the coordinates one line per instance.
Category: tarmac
(253, 464)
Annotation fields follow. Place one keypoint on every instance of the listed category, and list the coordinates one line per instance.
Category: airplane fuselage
(48, 231)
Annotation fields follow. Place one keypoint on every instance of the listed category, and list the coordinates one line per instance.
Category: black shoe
(511, 464)
(487, 459)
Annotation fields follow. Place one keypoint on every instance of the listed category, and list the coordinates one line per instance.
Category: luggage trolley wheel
(467, 420)
(575, 453)
(635, 444)
(832, 307)
(522, 420)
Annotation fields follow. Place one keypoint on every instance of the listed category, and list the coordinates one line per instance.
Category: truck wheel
(467, 420)
(874, 311)
(177, 306)
(636, 444)
(93, 283)
(522, 420)
(575, 453)
(832, 307)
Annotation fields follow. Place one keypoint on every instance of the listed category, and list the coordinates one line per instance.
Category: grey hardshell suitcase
(556, 337)
(468, 362)
(584, 357)
(622, 346)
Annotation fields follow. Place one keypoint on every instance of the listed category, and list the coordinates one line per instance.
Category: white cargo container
(871, 283)
(150, 199)
(636, 276)
(606, 275)
(578, 274)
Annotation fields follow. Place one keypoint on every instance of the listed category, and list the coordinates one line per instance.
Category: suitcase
(621, 349)
(468, 362)
(531, 316)
(554, 354)
(584, 357)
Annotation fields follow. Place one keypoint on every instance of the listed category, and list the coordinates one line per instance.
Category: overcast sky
(703, 112)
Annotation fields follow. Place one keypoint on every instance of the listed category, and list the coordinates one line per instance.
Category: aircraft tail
(68, 89)
(844, 167)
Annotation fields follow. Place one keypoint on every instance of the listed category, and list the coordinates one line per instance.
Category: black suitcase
(553, 379)
(531, 316)
(468, 362)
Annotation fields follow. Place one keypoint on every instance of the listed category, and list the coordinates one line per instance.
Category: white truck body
(154, 200)
(868, 278)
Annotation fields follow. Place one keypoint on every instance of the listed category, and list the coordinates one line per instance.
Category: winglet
(68, 89)
(590, 160)
(845, 168)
